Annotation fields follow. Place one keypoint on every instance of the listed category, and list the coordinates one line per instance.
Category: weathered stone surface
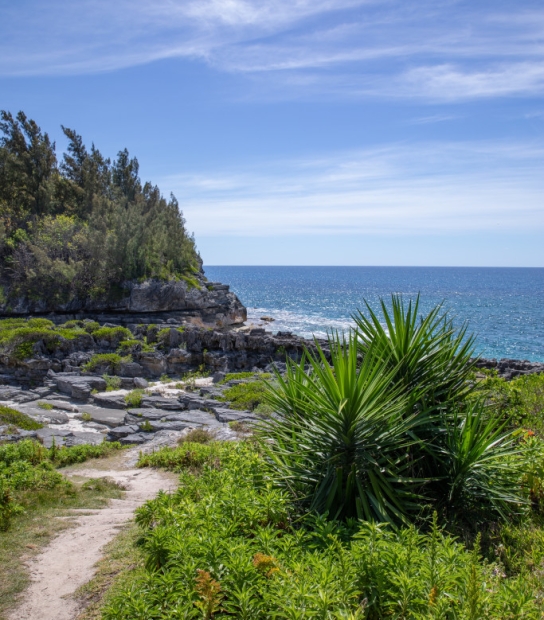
(79, 386)
(135, 438)
(67, 438)
(158, 402)
(154, 363)
(16, 395)
(122, 431)
(140, 383)
(9, 437)
(110, 401)
(103, 415)
(231, 415)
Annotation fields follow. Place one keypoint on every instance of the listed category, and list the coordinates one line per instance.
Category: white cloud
(442, 50)
(401, 189)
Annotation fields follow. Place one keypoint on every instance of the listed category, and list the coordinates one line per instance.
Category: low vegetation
(17, 420)
(230, 544)
(27, 468)
(134, 398)
(249, 395)
(110, 361)
(392, 482)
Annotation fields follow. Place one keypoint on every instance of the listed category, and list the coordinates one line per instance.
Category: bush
(227, 544)
(134, 398)
(113, 335)
(245, 395)
(111, 361)
(112, 383)
(16, 418)
(376, 439)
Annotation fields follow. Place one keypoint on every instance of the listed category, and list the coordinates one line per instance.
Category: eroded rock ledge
(191, 300)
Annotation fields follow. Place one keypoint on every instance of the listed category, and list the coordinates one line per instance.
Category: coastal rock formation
(192, 300)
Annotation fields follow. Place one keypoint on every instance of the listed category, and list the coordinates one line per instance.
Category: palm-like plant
(431, 358)
(381, 424)
(341, 435)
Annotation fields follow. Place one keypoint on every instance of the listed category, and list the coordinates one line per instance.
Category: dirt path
(68, 562)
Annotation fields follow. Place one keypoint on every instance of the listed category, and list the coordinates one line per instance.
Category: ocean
(504, 307)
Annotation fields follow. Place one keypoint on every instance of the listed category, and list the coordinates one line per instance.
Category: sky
(306, 132)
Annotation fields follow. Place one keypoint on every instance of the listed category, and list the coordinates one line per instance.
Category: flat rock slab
(67, 438)
(110, 400)
(194, 417)
(231, 415)
(79, 385)
(17, 395)
(104, 415)
(158, 402)
(43, 415)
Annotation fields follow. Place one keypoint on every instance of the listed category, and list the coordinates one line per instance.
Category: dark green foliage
(81, 228)
(227, 544)
(16, 418)
(384, 437)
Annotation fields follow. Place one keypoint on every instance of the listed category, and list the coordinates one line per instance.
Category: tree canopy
(81, 226)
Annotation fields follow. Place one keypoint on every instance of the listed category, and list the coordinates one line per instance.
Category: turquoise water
(504, 307)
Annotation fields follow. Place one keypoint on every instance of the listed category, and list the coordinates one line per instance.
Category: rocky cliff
(190, 300)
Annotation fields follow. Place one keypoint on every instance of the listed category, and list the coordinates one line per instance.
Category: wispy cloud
(442, 50)
(400, 189)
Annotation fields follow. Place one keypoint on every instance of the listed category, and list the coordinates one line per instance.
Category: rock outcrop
(190, 300)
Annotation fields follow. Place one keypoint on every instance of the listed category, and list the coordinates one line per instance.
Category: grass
(15, 418)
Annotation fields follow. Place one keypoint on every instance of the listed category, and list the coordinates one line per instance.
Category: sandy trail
(68, 561)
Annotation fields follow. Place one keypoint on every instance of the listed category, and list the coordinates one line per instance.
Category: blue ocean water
(504, 307)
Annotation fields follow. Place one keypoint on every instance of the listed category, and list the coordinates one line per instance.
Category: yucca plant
(341, 437)
(428, 354)
(380, 427)
(480, 464)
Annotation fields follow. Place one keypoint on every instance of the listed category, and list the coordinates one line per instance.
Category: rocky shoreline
(54, 387)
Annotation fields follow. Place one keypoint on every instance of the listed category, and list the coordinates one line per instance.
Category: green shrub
(90, 326)
(46, 406)
(197, 435)
(520, 402)
(228, 544)
(18, 419)
(372, 439)
(245, 395)
(128, 346)
(112, 383)
(112, 334)
(134, 398)
(111, 360)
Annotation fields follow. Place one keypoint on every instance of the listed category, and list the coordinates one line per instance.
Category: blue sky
(342, 132)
